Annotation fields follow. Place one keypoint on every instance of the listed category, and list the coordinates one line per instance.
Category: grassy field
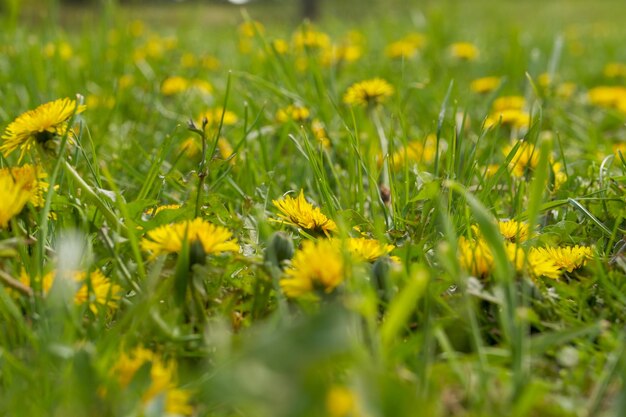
(405, 209)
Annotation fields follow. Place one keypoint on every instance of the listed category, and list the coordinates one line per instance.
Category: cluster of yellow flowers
(476, 257)
(508, 111)
(320, 266)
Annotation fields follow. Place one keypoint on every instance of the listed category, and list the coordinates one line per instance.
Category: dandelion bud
(279, 249)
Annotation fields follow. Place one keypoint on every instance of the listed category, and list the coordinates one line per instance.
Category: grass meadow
(402, 209)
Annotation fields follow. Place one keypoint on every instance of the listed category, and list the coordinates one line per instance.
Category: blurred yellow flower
(316, 267)
(307, 37)
(508, 103)
(407, 47)
(251, 28)
(567, 258)
(300, 213)
(368, 92)
(485, 84)
(163, 380)
(340, 402)
(96, 290)
(368, 249)
(295, 112)
(45, 283)
(14, 197)
(475, 256)
(513, 231)
(615, 70)
(170, 238)
(31, 178)
(214, 117)
(46, 122)
(525, 158)
(464, 50)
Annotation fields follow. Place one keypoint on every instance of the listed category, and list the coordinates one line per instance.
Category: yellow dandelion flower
(175, 85)
(464, 50)
(281, 46)
(319, 131)
(615, 70)
(516, 256)
(560, 177)
(508, 103)
(297, 113)
(606, 96)
(162, 379)
(340, 402)
(485, 84)
(513, 231)
(565, 90)
(170, 238)
(540, 264)
(368, 249)
(46, 281)
(421, 152)
(308, 37)
(31, 179)
(567, 258)
(526, 158)
(39, 126)
(511, 117)
(14, 197)
(475, 257)
(190, 147)
(226, 150)
(251, 28)
(340, 53)
(317, 266)
(300, 213)
(210, 62)
(368, 92)
(214, 116)
(401, 49)
(97, 290)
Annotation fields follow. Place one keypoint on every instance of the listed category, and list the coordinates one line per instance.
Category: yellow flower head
(485, 84)
(606, 96)
(406, 47)
(169, 238)
(317, 266)
(525, 158)
(14, 197)
(190, 147)
(541, 264)
(421, 152)
(319, 131)
(97, 290)
(567, 258)
(214, 116)
(300, 213)
(39, 126)
(296, 112)
(340, 53)
(508, 103)
(250, 29)
(368, 92)
(308, 37)
(513, 231)
(615, 70)
(475, 256)
(31, 179)
(341, 402)
(368, 249)
(162, 379)
(46, 281)
(464, 50)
